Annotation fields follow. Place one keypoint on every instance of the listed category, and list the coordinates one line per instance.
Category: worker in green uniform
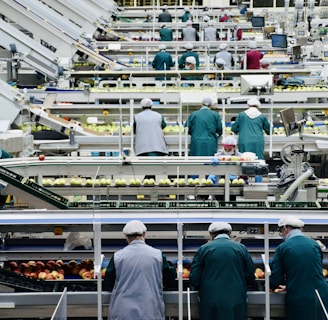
(204, 127)
(249, 126)
(186, 15)
(166, 33)
(297, 269)
(189, 53)
(221, 271)
(162, 60)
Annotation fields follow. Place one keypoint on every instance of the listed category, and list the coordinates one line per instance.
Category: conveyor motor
(254, 169)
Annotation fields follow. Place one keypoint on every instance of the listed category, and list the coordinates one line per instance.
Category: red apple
(82, 270)
(41, 157)
(24, 266)
(40, 264)
(13, 265)
(87, 275)
(49, 276)
(42, 275)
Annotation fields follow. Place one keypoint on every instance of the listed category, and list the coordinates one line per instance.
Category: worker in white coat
(136, 275)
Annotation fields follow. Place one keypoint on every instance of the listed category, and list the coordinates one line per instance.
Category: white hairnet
(229, 141)
(219, 61)
(162, 47)
(191, 60)
(134, 227)
(187, 9)
(189, 23)
(254, 102)
(264, 62)
(146, 102)
(210, 22)
(207, 101)
(291, 221)
(223, 46)
(252, 44)
(219, 226)
(189, 45)
(206, 18)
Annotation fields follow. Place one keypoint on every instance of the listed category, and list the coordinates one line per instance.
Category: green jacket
(221, 270)
(250, 133)
(204, 127)
(297, 263)
(166, 34)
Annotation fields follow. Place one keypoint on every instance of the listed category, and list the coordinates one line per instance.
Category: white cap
(223, 46)
(254, 102)
(229, 141)
(187, 9)
(219, 61)
(162, 47)
(291, 221)
(134, 227)
(190, 60)
(206, 18)
(207, 101)
(264, 62)
(188, 45)
(189, 23)
(146, 102)
(252, 44)
(219, 226)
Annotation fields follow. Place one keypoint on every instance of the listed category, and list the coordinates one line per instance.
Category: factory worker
(4, 154)
(297, 269)
(237, 31)
(189, 33)
(219, 64)
(210, 32)
(265, 64)
(204, 127)
(162, 60)
(147, 127)
(225, 55)
(253, 57)
(165, 16)
(136, 275)
(229, 144)
(221, 271)
(226, 17)
(166, 33)
(187, 15)
(189, 52)
(249, 126)
(190, 63)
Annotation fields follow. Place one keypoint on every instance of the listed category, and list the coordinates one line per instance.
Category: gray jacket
(190, 34)
(149, 136)
(138, 293)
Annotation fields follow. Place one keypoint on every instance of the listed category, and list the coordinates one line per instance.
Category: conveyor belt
(33, 189)
(23, 283)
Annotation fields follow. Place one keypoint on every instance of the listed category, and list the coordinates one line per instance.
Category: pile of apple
(53, 270)
(234, 182)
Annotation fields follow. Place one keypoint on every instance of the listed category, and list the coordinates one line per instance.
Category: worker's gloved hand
(214, 161)
(213, 178)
